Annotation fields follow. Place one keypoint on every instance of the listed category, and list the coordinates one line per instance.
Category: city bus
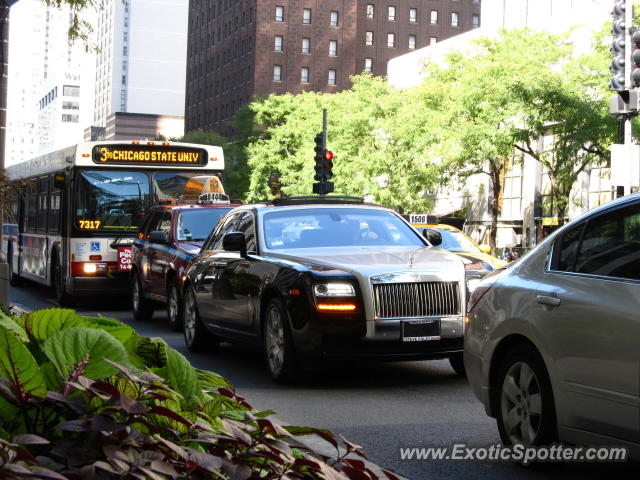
(83, 205)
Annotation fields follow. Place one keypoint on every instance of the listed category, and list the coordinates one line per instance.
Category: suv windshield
(110, 200)
(196, 224)
(336, 227)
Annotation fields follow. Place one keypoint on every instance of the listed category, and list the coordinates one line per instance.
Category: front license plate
(420, 330)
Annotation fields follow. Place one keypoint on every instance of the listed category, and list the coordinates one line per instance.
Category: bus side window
(32, 208)
(55, 199)
(43, 204)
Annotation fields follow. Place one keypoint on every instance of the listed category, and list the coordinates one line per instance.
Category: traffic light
(635, 59)
(618, 45)
(327, 165)
(319, 157)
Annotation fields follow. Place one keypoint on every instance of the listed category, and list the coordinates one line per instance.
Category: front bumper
(117, 284)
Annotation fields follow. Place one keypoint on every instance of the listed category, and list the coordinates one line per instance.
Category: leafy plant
(84, 397)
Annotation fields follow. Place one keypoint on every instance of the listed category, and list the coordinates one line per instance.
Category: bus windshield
(171, 186)
(110, 200)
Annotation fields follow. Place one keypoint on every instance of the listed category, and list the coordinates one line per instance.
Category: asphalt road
(383, 407)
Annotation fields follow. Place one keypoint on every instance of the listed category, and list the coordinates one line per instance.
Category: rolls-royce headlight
(334, 289)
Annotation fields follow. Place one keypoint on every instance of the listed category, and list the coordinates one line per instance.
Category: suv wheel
(196, 335)
(141, 307)
(525, 409)
(174, 306)
(278, 344)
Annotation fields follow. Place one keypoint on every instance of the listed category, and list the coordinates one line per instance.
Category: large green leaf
(182, 376)
(119, 330)
(19, 367)
(42, 324)
(82, 351)
(11, 325)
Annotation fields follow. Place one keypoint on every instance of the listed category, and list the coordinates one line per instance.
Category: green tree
(504, 94)
(375, 131)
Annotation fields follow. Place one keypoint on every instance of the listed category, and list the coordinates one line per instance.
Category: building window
(304, 75)
(332, 77)
(70, 91)
(306, 16)
(278, 43)
(475, 20)
(306, 45)
(333, 18)
(371, 11)
(413, 15)
(599, 186)
(279, 14)
(475, 1)
(368, 65)
(455, 19)
(333, 48)
(392, 14)
(391, 40)
(512, 189)
(412, 42)
(434, 17)
(368, 38)
(277, 73)
(67, 118)
(433, 40)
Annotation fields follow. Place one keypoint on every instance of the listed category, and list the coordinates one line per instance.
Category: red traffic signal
(328, 155)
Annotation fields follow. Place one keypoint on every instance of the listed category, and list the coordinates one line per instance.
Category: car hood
(480, 258)
(192, 248)
(373, 261)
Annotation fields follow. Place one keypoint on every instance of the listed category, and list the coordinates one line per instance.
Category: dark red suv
(170, 236)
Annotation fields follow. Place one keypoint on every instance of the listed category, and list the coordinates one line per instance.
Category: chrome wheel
(190, 319)
(174, 307)
(521, 404)
(135, 296)
(275, 341)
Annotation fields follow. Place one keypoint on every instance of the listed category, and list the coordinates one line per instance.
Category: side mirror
(485, 248)
(235, 242)
(434, 237)
(158, 237)
(59, 180)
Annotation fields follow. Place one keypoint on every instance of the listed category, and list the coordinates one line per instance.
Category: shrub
(84, 397)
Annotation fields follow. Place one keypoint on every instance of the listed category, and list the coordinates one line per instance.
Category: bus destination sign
(119, 154)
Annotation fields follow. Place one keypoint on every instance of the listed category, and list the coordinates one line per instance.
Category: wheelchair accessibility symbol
(95, 246)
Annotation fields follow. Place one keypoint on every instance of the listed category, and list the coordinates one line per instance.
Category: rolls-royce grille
(423, 299)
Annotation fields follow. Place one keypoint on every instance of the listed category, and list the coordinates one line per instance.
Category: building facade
(141, 60)
(237, 49)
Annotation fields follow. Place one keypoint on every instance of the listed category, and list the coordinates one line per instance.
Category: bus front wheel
(63, 298)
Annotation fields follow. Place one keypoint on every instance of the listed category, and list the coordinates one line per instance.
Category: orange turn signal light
(333, 307)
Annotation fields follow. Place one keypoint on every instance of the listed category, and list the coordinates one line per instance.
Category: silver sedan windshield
(336, 227)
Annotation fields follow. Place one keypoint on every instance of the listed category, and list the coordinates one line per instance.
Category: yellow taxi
(476, 257)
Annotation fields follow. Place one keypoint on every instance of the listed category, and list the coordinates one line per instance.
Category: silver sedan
(552, 343)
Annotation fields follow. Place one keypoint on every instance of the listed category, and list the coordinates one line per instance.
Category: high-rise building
(141, 60)
(239, 48)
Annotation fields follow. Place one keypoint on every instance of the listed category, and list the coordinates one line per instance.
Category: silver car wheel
(135, 296)
(190, 319)
(521, 404)
(173, 304)
(275, 342)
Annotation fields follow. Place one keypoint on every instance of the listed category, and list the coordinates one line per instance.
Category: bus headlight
(94, 268)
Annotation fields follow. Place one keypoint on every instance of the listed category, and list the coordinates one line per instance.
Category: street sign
(550, 221)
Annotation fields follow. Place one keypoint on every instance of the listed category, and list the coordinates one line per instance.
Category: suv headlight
(334, 289)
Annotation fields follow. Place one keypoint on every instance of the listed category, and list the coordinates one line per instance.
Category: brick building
(240, 48)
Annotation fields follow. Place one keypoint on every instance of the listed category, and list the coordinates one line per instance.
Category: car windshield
(336, 227)
(457, 242)
(110, 199)
(196, 224)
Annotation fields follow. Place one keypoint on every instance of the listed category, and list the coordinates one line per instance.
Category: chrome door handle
(548, 300)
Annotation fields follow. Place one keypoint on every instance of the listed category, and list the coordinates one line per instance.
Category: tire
(59, 290)
(457, 363)
(196, 336)
(279, 349)
(525, 409)
(141, 307)
(14, 280)
(174, 306)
